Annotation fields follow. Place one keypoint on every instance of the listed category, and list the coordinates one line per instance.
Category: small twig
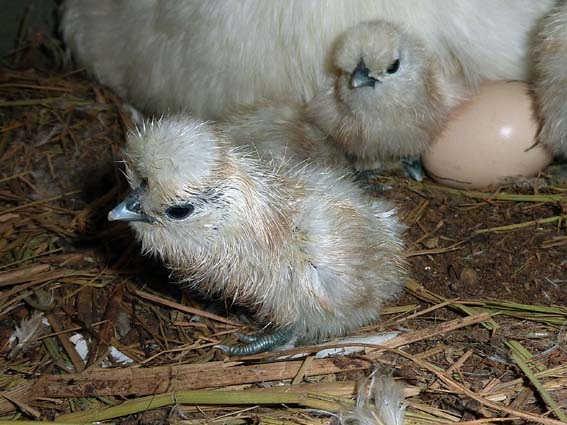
(302, 370)
(185, 308)
(42, 101)
(511, 227)
(314, 401)
(162, 379)
(17, 289)
(33, 257)
(427, 310)
(66, 331)
(15, 176)
(183, 348)
(434, 251)
(454, 367)
(494, 196)
(35, 86)
(23, 406)
(14, 422)
(489, 420)
(39, 202)
(430, 332)
(419, 291)
(76, 359)
(106, 332)
(13, 277)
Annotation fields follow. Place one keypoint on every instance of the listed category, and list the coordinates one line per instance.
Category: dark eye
(392, 69)
(179, 212)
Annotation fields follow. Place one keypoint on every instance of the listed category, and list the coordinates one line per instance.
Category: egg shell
(488, 139)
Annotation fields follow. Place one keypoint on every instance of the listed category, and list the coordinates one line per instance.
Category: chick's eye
(392, 69)
(179, 212)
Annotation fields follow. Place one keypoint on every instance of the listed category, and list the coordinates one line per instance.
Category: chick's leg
(550, 79)
(257, 343)
(249, 338)
(411, 166)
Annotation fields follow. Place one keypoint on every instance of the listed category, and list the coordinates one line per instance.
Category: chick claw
(257, 343)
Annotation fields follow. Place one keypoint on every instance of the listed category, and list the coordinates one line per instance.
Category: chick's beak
(129, 209)
(361, 78)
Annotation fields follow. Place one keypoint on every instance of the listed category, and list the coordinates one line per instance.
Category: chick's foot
(257, 342)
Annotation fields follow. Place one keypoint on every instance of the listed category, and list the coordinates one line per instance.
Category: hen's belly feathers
(203, 56)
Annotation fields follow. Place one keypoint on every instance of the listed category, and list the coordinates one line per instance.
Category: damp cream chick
(303, 247)
(550, 53)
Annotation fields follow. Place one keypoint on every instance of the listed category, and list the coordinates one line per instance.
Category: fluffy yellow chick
(390, 98)
(550, 53)
(303, 247)
(284, 129)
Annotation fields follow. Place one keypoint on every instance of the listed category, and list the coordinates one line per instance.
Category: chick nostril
(361, 77)
(134, 205)
(361, 68)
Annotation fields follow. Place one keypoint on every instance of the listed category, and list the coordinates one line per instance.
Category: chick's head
(183, 194)
(381, 68)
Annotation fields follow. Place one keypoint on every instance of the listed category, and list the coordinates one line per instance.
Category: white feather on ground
(380, 401)
(25, 333)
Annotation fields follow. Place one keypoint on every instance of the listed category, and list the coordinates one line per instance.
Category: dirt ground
(524, 265)
(60, 143)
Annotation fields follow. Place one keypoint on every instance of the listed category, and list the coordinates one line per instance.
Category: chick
(550, 55)
(386, 102)
(206, 56)
(303, 247)
(283, 129)
(390, 98)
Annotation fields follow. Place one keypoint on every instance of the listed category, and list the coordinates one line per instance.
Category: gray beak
(361, 78)
(130, 209)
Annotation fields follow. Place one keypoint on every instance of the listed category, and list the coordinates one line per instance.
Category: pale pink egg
(489, 139)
